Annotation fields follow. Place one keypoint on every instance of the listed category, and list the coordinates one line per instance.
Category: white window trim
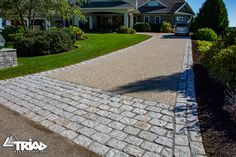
(156, 19)
(183, 19)
(148, 19)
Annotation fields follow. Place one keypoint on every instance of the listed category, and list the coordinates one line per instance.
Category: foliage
(34, 43)
(204, 46)
(142, 27)
(166, 27)
(126, 30)
(9, 32)
(96, 45)
(155, 27)
(220, 60)
(49, 9)
(79, 34)
(229, 37)
(206, 34)
(131, 31)
(213, 14)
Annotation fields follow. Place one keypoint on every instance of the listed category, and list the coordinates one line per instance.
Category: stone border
(188, 140)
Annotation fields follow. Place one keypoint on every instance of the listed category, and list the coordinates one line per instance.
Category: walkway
(112, 123)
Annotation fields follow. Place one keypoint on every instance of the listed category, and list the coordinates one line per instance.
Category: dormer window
(152, 3)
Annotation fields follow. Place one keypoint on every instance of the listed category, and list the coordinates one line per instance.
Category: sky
(230, 5)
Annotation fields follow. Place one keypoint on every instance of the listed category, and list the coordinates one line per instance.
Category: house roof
(120, 4)
(168, 6)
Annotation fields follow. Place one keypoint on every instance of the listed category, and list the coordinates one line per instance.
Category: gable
(152, 3)
(185, 8)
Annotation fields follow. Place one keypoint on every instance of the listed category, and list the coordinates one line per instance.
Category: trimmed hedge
(206, 34)
(142, 27)
(38, 42)
(126, 30)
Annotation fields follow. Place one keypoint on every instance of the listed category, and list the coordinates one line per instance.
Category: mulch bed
(218, 130)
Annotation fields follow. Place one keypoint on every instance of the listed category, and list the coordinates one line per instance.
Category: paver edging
(187, 140)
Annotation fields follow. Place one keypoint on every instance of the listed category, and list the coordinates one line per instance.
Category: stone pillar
(8, 58)
(126, 19)
(131, 22)
(90, 22)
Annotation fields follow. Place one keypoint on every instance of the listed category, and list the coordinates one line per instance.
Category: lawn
(96, 45)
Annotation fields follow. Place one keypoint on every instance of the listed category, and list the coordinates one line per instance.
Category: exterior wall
(168, 18)
(8, 58)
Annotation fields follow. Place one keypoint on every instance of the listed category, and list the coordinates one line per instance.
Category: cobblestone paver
(104, 122)
(108, 123)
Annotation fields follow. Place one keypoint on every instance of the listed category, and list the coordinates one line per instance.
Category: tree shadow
(159, 83)
(173, 36)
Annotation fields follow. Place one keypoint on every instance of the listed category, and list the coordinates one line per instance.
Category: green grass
(96, 45)
(203, 46)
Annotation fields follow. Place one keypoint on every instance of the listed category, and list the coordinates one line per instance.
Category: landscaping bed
(217, 128)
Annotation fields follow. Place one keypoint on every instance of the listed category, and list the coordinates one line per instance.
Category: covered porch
(105, 18)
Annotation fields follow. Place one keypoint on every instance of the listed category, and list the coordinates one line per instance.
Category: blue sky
(230, 5)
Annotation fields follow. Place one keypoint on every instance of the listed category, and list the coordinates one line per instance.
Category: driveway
(128, 103)
(148, 70)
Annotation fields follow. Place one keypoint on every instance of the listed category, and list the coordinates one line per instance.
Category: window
(152, 3)
(146, 19)
(181, 19)
(157, 19)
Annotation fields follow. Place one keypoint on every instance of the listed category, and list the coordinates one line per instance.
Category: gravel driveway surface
(148, 70)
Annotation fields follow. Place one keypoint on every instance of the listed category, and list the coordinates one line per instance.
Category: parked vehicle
(182, 29)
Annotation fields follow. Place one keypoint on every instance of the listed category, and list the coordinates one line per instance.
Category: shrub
(206, 34)
(229, 37)
(123, 29)
(204, 46)
(38, 42)
(155, 27)
(220, 61)
(79, 34)
(223, 66)
(9, 32)
(126, 30)
(131, 31)
(166, 27)
(142, 27)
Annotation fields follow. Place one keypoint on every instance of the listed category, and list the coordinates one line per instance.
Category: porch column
(90, 22)
(131, 22)
(126, 19)
(48, 24)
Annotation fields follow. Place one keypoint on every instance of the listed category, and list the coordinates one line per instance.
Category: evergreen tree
(213, 14)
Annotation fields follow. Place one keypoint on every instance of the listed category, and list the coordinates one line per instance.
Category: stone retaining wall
(8, 58)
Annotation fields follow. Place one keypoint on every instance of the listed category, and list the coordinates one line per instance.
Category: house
(110, 14)
(113, 13)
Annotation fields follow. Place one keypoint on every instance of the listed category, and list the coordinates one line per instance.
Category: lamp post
(2, 42)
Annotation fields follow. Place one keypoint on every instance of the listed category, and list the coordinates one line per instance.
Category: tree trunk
(33, 20)
(29, 15)
(20, 15)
